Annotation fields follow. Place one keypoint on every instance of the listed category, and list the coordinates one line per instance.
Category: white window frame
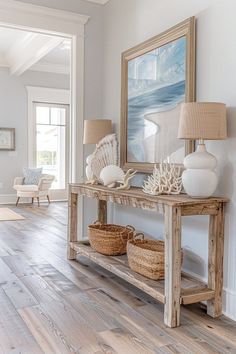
(45, 95)
(60, 194)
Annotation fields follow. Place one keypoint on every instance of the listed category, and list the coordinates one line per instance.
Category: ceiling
(22, 50)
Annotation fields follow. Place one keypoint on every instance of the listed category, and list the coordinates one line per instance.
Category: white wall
(13, 106)
(129, 22)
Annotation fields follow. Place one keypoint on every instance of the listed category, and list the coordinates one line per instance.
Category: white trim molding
(229, 298)
(48, 94)
(26, 9)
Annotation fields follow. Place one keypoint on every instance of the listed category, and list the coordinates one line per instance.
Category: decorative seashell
(105, 154)
(110, 175)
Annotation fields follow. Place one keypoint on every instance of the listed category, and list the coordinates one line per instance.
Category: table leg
(102, 211)
(215, 261)
(72, 224)
(172, 265)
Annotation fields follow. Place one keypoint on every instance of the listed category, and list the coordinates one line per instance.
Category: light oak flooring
(53, 306)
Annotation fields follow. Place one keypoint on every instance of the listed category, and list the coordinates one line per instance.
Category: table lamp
(201, 121)
(94, 131)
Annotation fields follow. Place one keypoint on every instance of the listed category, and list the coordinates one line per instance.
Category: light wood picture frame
(7, 139)
(151, 72)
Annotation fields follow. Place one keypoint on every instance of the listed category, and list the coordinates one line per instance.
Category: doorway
(66, 25)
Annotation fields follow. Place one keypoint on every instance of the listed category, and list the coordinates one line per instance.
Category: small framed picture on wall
(7, 139)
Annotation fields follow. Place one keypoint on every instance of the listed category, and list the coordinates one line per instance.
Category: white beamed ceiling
(21, 51)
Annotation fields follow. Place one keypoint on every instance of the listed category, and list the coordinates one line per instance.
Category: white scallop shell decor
(114, 177)
(105, 154)
(110, 175)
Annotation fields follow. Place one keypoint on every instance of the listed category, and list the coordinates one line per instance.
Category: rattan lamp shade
(95, 130)
(203, 120)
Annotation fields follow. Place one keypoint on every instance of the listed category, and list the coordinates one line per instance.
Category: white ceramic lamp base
(199, 178)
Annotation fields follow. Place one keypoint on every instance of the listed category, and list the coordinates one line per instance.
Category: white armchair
(33, 190)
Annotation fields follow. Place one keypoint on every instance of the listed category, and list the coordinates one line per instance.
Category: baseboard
(11, 199)
(7, 198)
(229, 297)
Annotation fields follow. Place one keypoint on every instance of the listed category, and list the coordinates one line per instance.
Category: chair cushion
(32, 175)
(26, 188)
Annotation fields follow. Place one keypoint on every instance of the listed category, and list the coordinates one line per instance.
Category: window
(51, 142)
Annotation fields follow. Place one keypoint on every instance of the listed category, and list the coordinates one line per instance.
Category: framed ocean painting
(157, 76)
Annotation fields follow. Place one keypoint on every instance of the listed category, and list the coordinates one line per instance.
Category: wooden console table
(177, 288)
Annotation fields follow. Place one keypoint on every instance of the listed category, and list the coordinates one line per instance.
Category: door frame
(45, 20)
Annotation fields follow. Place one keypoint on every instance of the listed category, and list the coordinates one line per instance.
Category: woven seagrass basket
(109, 239)
(147, 257)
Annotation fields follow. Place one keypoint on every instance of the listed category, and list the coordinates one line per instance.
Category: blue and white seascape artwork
(156, 88)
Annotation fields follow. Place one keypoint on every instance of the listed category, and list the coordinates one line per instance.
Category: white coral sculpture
(166, 179)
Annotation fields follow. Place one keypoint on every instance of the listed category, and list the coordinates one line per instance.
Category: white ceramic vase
(200, 179)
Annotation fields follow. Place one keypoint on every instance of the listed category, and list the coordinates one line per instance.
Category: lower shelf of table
(192, 290)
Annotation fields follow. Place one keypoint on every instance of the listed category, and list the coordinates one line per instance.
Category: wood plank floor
(54, 306)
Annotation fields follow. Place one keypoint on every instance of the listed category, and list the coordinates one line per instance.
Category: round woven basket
(110, 239)
(147, 257)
